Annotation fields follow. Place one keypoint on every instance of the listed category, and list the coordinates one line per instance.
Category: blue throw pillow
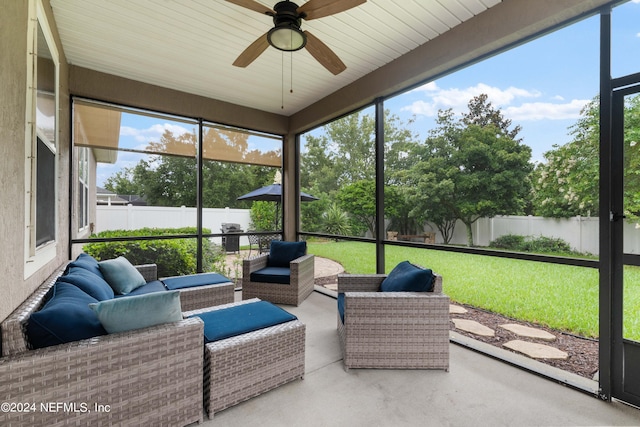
(282, 253)
(90, 283)
(140, 311)
(86, 262)
(66, 317)
(121, 275)
(406, 277)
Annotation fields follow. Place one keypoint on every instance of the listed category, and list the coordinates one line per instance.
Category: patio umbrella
(273, 193)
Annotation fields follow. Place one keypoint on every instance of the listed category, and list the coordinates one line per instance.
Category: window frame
(36, 256)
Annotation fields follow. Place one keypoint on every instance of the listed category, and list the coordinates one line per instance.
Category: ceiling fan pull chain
(291, 88)
(282, 83)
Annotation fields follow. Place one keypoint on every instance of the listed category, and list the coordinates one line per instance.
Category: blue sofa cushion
(406, 277)
(138, 311)
(89, 282)
(150, 287)
(66, 317)
(87, 262)
(282, 253)
(272, 275)
(341, 306)
(193, 280)
(241, 319)
(121, 275)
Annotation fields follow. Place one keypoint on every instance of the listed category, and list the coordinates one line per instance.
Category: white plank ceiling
(190, 45)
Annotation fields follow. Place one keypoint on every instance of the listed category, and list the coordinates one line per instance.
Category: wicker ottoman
(244, 366)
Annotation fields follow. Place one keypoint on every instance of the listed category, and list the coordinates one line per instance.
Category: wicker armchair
(300, 286)
(408, 330)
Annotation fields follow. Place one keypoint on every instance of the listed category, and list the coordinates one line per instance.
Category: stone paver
(456, 309)
(473, 327)
(528, 332)
(535, 350)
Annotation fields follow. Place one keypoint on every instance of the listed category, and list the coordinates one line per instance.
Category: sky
(541, 86)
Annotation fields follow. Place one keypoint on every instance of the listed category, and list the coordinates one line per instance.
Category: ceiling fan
(286, 34)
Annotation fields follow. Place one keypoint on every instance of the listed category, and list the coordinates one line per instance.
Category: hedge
(173, 256)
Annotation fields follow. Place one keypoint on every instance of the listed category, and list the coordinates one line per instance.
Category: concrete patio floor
(477, 391)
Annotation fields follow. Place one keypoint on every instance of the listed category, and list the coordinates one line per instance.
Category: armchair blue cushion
(272, 275)
(406, 277)
(282, 253)
(66, 317)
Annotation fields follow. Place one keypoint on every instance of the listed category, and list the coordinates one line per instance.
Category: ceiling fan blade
(252, 52)
(253, 5)
(315, 9)
(324, 55)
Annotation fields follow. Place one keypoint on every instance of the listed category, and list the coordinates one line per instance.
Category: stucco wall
(13, 77)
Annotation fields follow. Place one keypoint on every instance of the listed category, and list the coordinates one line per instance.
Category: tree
(344, 153)
(471, 168)
(359, 200)
(567, 184)
(171, 180)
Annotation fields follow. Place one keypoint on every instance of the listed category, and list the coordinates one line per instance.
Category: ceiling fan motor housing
(286, 34)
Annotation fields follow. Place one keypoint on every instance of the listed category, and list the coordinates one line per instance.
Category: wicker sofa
(407, 330)
(150, 376)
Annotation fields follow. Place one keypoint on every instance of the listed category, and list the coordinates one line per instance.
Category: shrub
(508, 241)
(539, 244)
(263, 216)
(336, 221)
(547, 245)
(172, 256)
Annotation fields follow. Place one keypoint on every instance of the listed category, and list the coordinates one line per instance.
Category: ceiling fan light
(287, 37)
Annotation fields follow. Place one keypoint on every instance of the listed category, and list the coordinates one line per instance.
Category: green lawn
(559, 296)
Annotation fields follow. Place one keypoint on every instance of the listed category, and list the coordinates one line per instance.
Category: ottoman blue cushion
(66, 317)
(87, 262)
(241, 319)
(280, 275)
(149, 288)
(406, 277)
(193, 280)
(89, 282)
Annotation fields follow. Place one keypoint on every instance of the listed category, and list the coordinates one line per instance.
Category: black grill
(230, 243)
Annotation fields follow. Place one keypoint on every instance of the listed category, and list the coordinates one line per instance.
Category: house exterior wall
(14, 288)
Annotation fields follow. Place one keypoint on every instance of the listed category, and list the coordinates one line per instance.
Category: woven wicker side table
(241, 367)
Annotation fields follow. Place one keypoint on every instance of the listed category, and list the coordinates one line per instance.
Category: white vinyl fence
(579, 232)
(133, 217)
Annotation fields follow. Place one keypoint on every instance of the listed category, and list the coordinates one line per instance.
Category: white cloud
(509, 100)
(546, 110)
(457, 99)
(152, 133)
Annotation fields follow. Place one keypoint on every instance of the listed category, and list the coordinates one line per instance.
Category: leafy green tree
(359, 200)
(344, 153)
(170, 180)
(471, 168)
(122, 182)
(567, 183)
